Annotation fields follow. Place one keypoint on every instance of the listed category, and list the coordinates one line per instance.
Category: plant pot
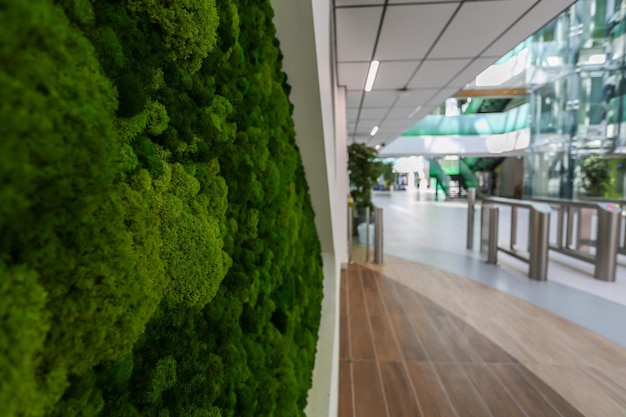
(361, 230)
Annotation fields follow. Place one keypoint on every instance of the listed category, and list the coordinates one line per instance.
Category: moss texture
(158, 254)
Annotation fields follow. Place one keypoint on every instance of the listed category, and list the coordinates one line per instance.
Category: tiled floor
(420, 341)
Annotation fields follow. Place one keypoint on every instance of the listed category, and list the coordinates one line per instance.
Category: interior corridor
(435, 331)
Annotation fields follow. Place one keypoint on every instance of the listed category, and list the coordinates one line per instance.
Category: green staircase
(483, 164)
(443, 179)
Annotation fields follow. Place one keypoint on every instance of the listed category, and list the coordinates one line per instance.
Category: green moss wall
(158, 253)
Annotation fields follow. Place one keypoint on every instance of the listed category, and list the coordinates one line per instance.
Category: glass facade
(576, 80)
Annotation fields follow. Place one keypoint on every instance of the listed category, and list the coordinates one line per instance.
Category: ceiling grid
(428, 51)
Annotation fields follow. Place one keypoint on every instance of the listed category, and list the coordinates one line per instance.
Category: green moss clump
(159, 255)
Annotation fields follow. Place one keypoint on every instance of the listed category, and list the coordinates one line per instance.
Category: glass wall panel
(577, 92)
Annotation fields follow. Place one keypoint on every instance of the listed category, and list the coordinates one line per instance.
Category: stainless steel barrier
(378, 236)
(538, 232)
(621, 248)
(367, 234)
(489, 227)
(580, 237)
(350, 232)
(471, 209)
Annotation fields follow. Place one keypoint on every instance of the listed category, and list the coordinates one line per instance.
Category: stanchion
(607, 242)
(367, 234)
(538, 243)
(489, 234)
(378, 236)
(471, 209)
(350, 231)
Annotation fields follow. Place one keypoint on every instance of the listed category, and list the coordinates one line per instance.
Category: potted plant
(363, 171)
(596, 175)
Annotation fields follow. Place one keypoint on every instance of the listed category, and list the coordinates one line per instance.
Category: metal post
(513, 227)
(367, 234)
(570, 227)
(583, 237)
(559, 227)
(471, 208)
(489, 234)
(607, 242)
(350, 217)
(378, 236)
(538, 236)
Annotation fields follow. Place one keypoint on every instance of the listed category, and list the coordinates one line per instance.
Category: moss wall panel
(159, 254)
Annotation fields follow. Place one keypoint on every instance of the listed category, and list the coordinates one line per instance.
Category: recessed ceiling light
(371, 76)
(374, 130)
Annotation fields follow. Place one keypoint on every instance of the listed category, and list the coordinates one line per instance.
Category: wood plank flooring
(418, 341)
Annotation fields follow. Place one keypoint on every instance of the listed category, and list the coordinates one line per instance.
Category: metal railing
(536, 254)
(588, 231)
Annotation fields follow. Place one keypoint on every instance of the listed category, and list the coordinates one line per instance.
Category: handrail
(575, 203)
(538, 233)
(607, 237)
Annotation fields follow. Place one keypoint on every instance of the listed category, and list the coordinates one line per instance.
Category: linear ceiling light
(371, 76)
(374, 130)
(418, 108)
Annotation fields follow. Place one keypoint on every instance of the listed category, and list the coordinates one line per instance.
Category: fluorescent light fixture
(374, 130)
(418, 108)
(371, 76)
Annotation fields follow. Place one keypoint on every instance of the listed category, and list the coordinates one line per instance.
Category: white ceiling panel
(372, 113)
(409, 30)
(356, 32)
(394, 123)
(394, 74)
(353, 74)
(352, 113)
(471, 72)
(415, 97)
(433, 72)
(386, 130)
(377, 98)
(526, 26)
(472, 22)
(400, 112)
(353, 98)
(421, 1)
(364, 130)
(442, 96)
(361, 138)
(340, 3)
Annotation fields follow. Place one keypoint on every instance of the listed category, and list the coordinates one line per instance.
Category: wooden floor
(418, 341)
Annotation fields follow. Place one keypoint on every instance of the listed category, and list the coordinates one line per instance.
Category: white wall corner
(323, 399)
(303, 28)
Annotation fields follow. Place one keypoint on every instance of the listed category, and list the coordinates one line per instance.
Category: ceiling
(428, 51)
